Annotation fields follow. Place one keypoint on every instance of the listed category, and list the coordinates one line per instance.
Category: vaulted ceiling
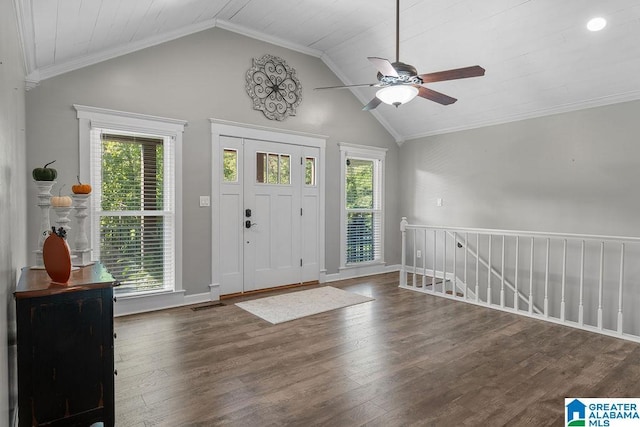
(539, 56)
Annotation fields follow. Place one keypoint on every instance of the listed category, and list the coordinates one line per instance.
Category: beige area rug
(294, 305)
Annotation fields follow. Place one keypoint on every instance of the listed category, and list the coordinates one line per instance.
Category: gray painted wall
(196, 78)
(575, 173)
(570, 173)
(12, 198)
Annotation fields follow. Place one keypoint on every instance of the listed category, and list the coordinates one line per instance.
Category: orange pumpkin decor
(56, 256)
(81, 188)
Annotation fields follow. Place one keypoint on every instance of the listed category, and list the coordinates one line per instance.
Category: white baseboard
(197, 298)
(126, 305)
(352, 272)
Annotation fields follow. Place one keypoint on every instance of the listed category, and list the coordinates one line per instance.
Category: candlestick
(62, 220)
(82, 249)
(44, 203)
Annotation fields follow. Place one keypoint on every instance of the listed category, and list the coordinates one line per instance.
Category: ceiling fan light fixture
(596, 24)
(397, 94)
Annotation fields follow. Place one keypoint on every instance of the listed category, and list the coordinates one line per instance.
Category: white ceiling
(540, 58)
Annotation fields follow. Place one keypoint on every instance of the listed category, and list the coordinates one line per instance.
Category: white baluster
(564, 277)
(620, 287)
(466, 241)
(516, 295)
(433, 278)
(444, 262)
(477, 267)
(546, 281)
(531, 278)
(600, 284)
(502, 276)
(424, 260)
(415, 268)
(489, 271)
(454, 289)
(581, 306)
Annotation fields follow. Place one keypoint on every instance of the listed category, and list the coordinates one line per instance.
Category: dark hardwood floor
(404, 359)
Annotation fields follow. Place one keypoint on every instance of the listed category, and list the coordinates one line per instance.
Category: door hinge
(300, 211)
(300, 262)
(301, 161)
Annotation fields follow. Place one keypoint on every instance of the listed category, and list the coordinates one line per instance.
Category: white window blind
(363, 208)
(134, 208)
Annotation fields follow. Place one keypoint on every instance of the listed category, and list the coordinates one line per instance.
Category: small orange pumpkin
(81, 188)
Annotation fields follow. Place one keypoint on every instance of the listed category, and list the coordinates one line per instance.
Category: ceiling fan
(399, 83)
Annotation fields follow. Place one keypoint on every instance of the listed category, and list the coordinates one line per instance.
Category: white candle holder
(82, 250)
(62, 220)
(44, 203)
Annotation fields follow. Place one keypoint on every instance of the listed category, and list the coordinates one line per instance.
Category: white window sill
(362, 264)
(145, 294)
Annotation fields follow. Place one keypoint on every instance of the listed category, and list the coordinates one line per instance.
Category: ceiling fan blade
(372, 104)
(384, 66)
(347, 86)
(458, 73)
(432, 95)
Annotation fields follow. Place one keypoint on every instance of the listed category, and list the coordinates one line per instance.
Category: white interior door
(269, 214)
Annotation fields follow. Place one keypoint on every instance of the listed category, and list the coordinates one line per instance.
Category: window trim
(366, 153)
(126, 122)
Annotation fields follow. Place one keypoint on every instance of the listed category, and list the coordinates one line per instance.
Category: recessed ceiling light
(596, 24)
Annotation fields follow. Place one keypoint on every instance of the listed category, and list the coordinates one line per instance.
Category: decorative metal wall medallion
(273, 87)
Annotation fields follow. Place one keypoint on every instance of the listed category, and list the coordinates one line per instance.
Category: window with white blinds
(362, 203)
(133, 208)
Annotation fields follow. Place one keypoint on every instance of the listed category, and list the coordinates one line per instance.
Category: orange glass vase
(57, 259)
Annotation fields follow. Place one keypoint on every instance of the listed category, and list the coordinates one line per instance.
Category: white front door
(272, 177)
(269, 219)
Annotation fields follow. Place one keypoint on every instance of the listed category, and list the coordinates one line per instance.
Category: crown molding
(91, 59)
(35, 75)
(239, 29)
(24, 18)
(564, 108)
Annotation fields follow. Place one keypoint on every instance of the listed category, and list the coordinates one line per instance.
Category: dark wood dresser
(65, 348)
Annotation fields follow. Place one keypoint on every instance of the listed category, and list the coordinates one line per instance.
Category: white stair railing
(584, 281)
(499, 274)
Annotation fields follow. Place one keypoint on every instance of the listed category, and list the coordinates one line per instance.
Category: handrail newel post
(403, 231)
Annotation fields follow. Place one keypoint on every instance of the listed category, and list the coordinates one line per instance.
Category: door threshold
(275, 288)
